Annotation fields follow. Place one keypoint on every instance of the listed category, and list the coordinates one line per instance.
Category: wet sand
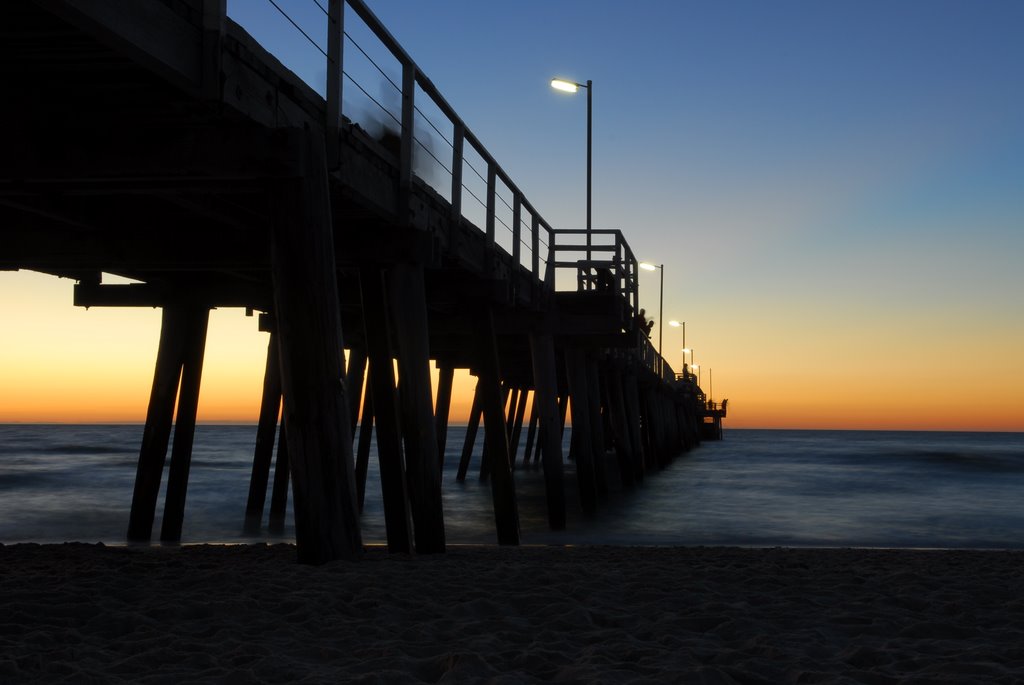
(236, 614)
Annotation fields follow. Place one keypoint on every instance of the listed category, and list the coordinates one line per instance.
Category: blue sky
(834, 187)
(836, 190)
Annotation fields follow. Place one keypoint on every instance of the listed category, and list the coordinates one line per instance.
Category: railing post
(405, 153)
(492, 172)
(335, 56)
(517, 233)
(549, 271)
(634, 294)
(458, 142)
(535, 245)
(617, 262)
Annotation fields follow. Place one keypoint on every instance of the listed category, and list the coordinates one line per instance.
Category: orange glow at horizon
(65, 364)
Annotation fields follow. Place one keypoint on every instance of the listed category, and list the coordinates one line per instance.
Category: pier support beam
(531, 432)
(646, 430)
(545, 404)
(471, 430)
(310, 346)
(408, 307)
(266, 431)
(619, 421)
(503, 492)
(651, 426)
(363, 451)
(631, 396)
(393, 483)
(517, 426)
(354, 377)
(576, 372)
(279, 493)
(597, 439)
(445, 379)
(185, 424)
(159, 417)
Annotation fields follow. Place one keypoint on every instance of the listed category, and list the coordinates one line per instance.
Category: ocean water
(756, 487)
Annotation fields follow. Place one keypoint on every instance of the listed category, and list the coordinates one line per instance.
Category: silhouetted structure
(158, 141)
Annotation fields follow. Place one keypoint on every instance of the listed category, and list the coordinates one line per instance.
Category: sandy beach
(235, 614)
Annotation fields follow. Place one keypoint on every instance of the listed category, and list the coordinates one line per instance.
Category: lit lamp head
(647, 266)
(566, 86)
(674, 324)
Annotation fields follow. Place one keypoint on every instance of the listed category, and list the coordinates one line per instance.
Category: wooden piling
(545, 403)
(672, 422)
(508, 402)
(517, 427)
(506, 512)
(619, 421)
(185, 425)
(471, 430)
(263, 454)
(648, 420)
(363, 451)
(511, 399)
(668, 422)
(563, 409)
(651, 427)
(689, 420)
(310, 346)
(576, 373)
(631, 397)
(684, 421)
(282, 478)
(159, 417)
(445, 379)
(408, 306)
(394, 486)
(531, 432)
(597, 438)
(354, 376)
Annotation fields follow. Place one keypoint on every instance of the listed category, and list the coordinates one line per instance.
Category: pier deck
(158, 141)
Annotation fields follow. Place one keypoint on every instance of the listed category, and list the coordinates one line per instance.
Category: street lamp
(567, 86)
(696, 366)
(680, 324)
(647, 266)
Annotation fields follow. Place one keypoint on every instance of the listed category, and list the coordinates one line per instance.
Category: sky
(836, 191)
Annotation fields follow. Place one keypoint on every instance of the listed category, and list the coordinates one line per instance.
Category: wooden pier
(158, 141)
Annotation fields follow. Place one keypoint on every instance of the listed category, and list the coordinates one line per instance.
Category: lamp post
(571, 87)
(696, 366)
(647, 266)
(680, 324)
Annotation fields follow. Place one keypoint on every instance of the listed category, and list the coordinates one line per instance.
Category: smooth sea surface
(754, 488)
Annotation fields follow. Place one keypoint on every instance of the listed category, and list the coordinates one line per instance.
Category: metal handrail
(412, 76)
(620, 262)
(591, 273)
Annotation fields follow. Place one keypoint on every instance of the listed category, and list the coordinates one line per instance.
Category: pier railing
(653, 361)
(411, 115)
(613, 268)
(413, 110)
